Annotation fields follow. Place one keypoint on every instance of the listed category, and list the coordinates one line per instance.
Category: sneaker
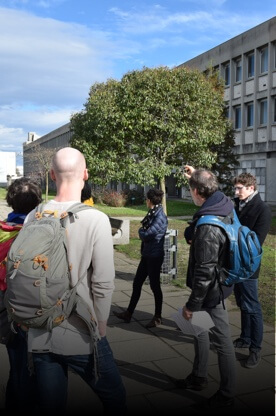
(218, 400)
(240, 343)
(192, 382)
(253, 359)
(125, 316)
(156, 321)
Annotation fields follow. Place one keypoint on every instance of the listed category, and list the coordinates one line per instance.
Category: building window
(264, 59)
(238, 70)
(274, 110)
(263, 112)
(249, 115)
(227, 112)
(250, 65)
(226, 73)
(238, 117)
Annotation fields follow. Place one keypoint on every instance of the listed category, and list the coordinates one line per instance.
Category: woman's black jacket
(154, 236)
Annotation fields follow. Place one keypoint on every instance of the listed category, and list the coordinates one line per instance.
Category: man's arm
(103, 275)
(263, 223)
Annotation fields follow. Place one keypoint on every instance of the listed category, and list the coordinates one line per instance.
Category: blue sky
(52, 51)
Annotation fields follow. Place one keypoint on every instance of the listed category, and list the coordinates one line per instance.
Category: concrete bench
(120, 230)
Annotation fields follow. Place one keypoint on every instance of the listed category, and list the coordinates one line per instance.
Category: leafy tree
(97, 135)
(226, 161)
(149, 124)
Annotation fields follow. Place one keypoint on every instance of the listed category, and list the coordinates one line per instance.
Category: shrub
(114, 198)
(97, 196)
(135, 197)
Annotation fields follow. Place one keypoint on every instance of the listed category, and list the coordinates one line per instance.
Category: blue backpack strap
(216, 221)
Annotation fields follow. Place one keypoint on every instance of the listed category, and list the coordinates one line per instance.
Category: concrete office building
(247, 63)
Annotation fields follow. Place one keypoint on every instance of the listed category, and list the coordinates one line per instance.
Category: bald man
(68, 345)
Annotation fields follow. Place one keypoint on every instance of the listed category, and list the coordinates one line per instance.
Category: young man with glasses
(256, 215)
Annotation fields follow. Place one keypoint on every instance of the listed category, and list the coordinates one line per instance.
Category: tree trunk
(46, 186)
(163, 188)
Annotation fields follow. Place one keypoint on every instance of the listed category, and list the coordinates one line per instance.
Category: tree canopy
(148, 125)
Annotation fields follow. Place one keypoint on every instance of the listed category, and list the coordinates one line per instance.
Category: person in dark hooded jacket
(254, 213)
(208, 251)
(152, 233)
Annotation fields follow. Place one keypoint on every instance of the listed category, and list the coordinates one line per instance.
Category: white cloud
(191, 24)
(43, 117)
(41, 120)
(11, 139)
(47, 69)
(48, 61)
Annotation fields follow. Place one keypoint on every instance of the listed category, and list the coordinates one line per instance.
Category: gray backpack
(38, 292)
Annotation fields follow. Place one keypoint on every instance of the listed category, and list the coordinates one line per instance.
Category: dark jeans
(52, 380)
(246, 295)
(20, 390)
(148, 267)
(222, 341)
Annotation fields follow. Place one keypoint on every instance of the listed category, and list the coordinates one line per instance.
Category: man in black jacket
(256, 215)
(207, 252)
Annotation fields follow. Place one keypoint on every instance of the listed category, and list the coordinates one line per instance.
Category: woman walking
(152, 234)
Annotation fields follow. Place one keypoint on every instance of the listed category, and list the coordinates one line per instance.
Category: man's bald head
(68, 164)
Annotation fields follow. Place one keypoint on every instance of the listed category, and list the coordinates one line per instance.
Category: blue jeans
(52, 379)
(246, 295)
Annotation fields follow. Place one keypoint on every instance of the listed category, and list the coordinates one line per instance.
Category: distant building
(7, 167)
(56, 139)
(247, 63)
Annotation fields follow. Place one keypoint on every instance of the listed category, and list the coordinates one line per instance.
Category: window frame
(226, 74)
(237, 117)
(263, 116)
(238, 70)
(251, 65)
(263, 52)
(274, 110)
(250, 114)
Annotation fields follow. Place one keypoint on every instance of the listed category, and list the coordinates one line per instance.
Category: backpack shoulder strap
(40, 207)
(210, 219)
(222, 222)
(217, 222)
(77, 207)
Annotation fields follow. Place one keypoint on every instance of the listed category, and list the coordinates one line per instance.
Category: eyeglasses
(239, 188)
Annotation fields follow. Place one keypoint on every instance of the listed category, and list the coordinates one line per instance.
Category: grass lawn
(267, 273)
(175, 208)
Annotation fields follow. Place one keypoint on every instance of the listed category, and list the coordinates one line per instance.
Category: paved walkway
(150, 360)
